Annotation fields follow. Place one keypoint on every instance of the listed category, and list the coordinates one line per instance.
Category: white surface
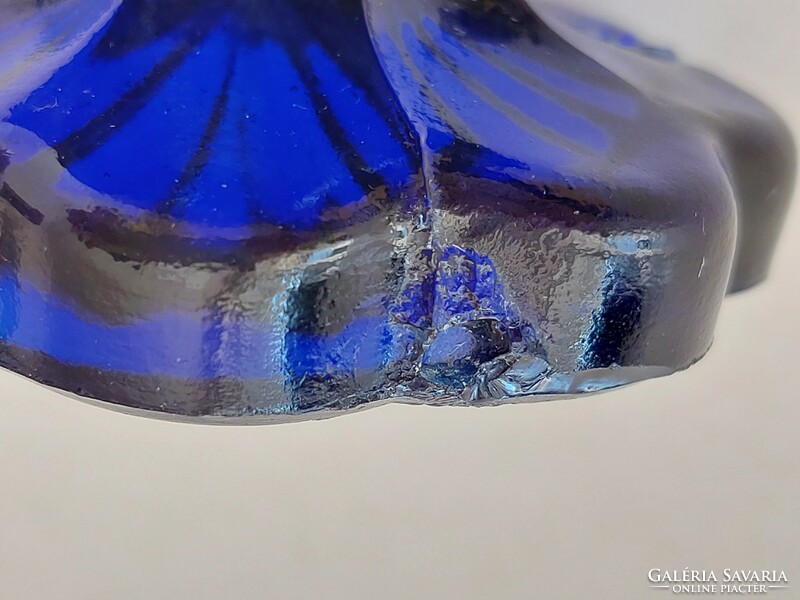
(576, 499)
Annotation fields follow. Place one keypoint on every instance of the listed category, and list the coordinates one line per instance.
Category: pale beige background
(576, 499)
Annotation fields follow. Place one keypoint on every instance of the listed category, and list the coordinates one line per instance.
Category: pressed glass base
(277, 210)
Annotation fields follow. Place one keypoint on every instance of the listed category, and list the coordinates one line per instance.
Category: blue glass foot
(239, 209)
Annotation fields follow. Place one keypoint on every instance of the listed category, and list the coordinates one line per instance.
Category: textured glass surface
(243, 208)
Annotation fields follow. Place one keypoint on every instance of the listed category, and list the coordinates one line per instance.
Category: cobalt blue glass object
(229, 209)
